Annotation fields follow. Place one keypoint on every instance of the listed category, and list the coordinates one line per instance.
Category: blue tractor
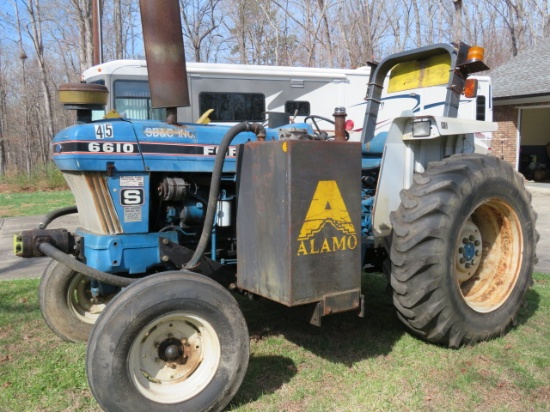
(175, 217)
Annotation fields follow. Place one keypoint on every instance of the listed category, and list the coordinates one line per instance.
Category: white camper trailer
(275, 94)
(236, 92)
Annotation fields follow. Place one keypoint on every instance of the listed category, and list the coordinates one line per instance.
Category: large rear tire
(173, 341)
(66, 302)
(463, 250)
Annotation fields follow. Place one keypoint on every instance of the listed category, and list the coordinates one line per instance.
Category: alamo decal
(327, 208)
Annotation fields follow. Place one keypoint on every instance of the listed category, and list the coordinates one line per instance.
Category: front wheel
(173, 341)
(463, 250)
(66, 302)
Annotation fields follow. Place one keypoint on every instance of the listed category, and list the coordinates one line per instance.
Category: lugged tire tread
(418, 246)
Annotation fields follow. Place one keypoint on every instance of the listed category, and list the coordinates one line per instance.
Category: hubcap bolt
(172, 352)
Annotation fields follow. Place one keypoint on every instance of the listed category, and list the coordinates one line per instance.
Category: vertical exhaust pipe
(163, 39)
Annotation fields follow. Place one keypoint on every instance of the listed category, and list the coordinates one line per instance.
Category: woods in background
(44, 43)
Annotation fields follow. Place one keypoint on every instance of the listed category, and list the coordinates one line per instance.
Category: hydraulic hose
(53, 252)
(56, 214)
(257, 129)
(77, 266)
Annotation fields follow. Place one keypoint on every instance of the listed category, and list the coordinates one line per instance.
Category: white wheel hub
(174, 357)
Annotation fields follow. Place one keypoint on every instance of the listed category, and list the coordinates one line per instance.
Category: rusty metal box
(298, 221)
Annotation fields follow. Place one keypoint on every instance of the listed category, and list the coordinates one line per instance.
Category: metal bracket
(340, 302)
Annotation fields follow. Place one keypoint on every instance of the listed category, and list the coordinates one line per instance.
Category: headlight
(421, 128)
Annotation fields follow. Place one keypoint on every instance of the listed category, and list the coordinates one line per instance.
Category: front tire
(463, 250)
(173, 341)
(66, 302)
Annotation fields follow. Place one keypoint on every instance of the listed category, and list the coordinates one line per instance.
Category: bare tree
(23, 58)
(82, 12)
(35, 34)
(418, 25)
(513, 15)
(399, 18)
(46, 42)
(255, 32)
(3, 116)
(457, 22)
(361, 26)
(311, 19)
(200, 21)
(119, 39)
(121, 28)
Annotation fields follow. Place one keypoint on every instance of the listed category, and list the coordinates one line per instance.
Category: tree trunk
(26, 106)
(83, 9)
(119, 42)
(35, 32)
(3, 120)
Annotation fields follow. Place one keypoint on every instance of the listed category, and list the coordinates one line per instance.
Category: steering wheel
(318, 130)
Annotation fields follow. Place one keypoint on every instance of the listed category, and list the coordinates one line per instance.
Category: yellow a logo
(327, 206)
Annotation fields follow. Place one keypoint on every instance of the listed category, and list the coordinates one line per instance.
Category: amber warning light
(474, 62)
(475, 53)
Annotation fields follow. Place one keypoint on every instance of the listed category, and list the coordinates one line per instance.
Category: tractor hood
(148, 146)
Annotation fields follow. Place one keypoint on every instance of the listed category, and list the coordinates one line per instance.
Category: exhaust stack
(163, 39)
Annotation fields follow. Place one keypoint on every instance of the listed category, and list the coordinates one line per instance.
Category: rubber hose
(79, 267)
(215, 185)
(56, 214)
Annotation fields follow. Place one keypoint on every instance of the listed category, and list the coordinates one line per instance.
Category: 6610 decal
(111, 147)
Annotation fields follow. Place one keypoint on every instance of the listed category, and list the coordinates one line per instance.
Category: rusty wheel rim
(174, 357)
(488, 256)
(79, 299)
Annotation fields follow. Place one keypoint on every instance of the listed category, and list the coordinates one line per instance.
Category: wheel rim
(79, 299)
(174, 357)
(488, 256)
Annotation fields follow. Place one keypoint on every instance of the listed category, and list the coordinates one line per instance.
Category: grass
(349, 364)
(37, 203)
(36, 194)
(43, 178)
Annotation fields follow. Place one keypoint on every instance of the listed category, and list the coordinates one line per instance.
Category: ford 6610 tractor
(176, 217)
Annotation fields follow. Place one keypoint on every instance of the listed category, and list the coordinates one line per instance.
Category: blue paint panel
(131, 196)
(148, 145)
(188, 147)
(131, 254)
(97, 146)
(376, 145)
(371, 163)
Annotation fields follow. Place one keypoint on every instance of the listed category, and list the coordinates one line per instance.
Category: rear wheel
(173, 341)
(463, 250)
(66, 302)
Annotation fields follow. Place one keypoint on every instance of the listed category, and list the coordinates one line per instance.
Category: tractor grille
(96, 211)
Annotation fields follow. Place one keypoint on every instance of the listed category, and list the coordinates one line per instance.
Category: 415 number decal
(104, 131)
